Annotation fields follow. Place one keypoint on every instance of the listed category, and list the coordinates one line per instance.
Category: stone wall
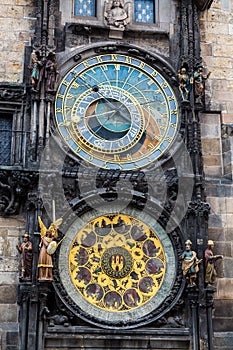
(17, 22)
(10, 230)
(217, 145)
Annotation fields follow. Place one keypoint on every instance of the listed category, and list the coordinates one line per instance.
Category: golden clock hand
(77, 118)
(98, 114)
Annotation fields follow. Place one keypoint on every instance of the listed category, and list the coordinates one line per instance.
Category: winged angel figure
(48, 246)
(117, 13)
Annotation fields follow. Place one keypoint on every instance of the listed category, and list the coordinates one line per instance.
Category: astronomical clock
(118, 112)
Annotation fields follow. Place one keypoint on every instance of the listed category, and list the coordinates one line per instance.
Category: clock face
(116, 112)
(117, 267)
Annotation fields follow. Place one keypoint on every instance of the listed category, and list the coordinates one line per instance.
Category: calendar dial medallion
(117, 267)
(116, 112)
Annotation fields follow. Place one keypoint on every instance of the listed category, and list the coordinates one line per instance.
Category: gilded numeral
(129, 156)
(142, 65)
(75, 85)
(104, 67)
(169, 139)
(99, 59)
(65, 83)
(117, 158)
(154, 73)
(86, 64)
(114, 57)
(59, 110)
(117, 66)
(128, 59)
(151, 145)
(70, 96)
(60, 96)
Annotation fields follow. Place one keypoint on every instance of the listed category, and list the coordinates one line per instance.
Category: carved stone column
(209, 306)
(193, 295)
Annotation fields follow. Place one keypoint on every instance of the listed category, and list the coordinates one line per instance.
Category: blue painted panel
(144, 11)
(84, 8)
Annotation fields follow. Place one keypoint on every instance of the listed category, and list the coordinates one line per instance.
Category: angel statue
(47, 248)
(117, 13)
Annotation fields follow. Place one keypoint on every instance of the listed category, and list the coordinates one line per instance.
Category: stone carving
(26, 250)
(184, 83)
(199, 82)
(51, 73)
(190, 264)
(210, 263)
(36, 70)
(45, 262)
(13, 188)
(117, 14)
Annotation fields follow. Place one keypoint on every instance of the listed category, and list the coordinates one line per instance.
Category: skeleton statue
(117, 14)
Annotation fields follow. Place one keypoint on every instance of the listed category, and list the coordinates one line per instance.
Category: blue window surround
(85, 8)
(144, 11)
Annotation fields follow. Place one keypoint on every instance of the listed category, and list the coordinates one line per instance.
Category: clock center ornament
(116, 111)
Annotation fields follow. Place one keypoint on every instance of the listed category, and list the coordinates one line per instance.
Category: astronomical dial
(116, 112)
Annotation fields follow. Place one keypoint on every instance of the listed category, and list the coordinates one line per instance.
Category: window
(84, 7)
(144, 11)
(5, 139)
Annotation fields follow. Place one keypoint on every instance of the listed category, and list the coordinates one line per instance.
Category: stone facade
(217, 53)
(18, 18)
(10, 231)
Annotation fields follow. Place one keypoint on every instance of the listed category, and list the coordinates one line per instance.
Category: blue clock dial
(116, 111)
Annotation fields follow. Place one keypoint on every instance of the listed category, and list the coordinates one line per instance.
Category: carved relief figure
(26, 250)
(190, 264)
(184, 83)
(117, 14)
(35, 68)
(199, 82)
(210, 263)
(45, 262)
(51, 72)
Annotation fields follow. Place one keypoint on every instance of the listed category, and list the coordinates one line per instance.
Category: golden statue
(47, 248)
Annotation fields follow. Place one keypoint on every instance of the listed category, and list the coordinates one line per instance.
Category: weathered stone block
(218, 204)
(8, 294)
(215, 221)
(222, 324)
(223, 308)
(216, 234)
(223, 248)
(8, 313)
(210, 130)
(9, 278)
(214, 171)
(211, 146)
(228, 271)
(8, 264)
(223, 340)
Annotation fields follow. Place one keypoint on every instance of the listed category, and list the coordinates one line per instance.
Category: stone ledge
(75, 337)
(223, 340)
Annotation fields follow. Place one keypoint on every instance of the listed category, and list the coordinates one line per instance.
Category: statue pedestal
(116, 33)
